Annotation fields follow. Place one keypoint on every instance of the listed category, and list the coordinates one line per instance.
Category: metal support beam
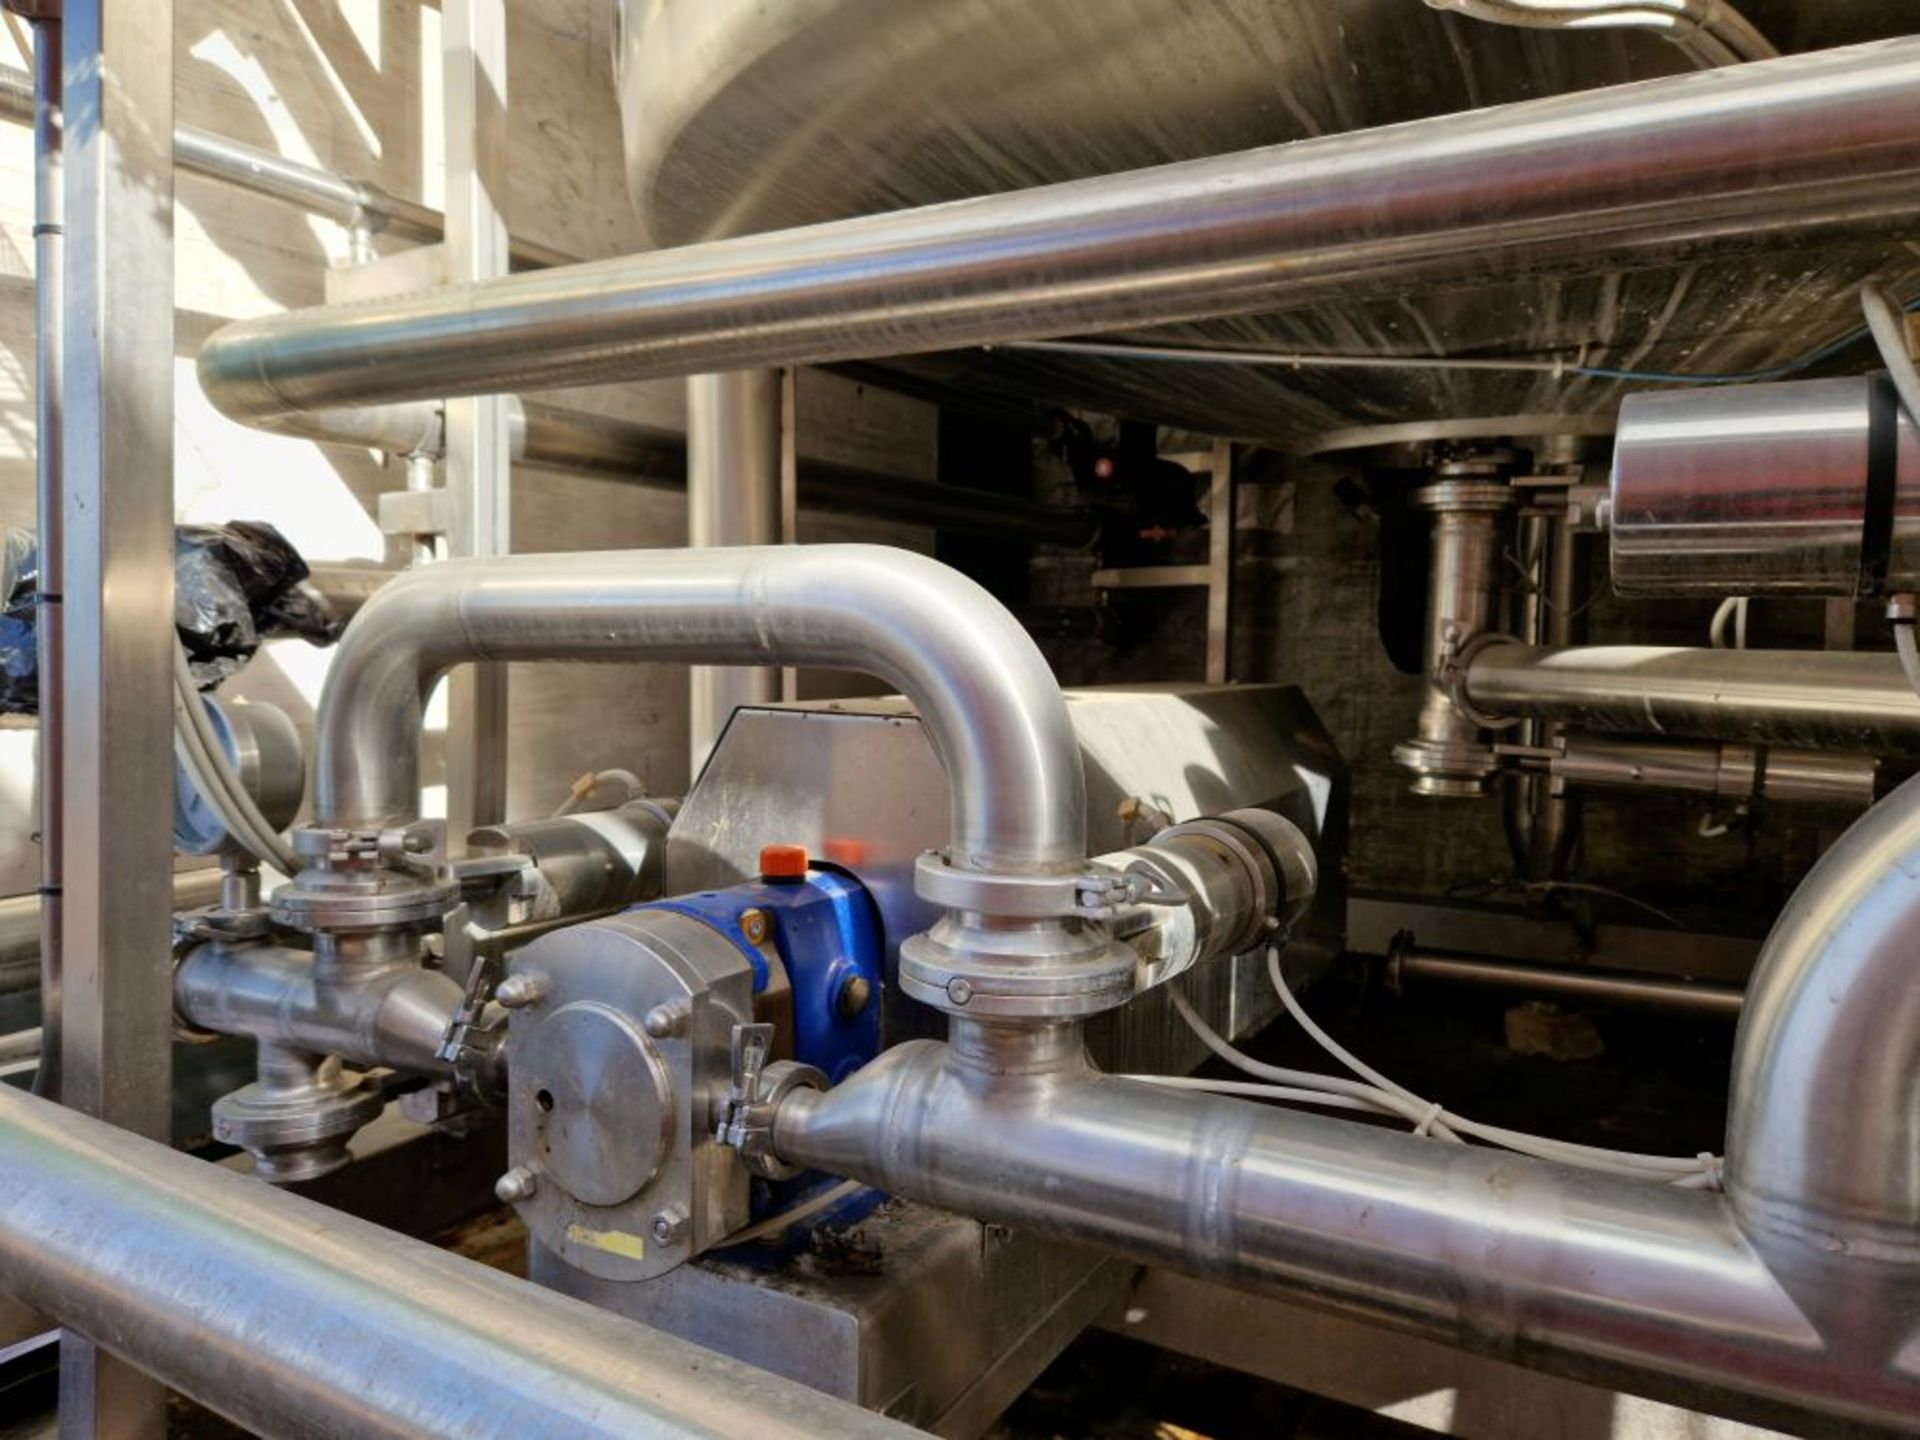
(734, 461)
(117, 434)
(479, 438)
(49, 266)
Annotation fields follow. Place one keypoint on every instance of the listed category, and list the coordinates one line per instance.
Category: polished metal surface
(291, 1318)
(1707, 32)
(858, 782)
(983, 689)
(1410, 968)
(584, 863)
(1776, 153)
(1815, 700)
(477, 466)
(1757, 490)
(393, 1014)
(1821, 1139)
(733, 498)
(1468, 500)
(741, 118)
(117, 399)
(1643, 1285)
(616, 1068)
(1739, 775)
(49, 285)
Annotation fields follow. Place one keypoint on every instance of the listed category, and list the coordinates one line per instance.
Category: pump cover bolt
(519, 990)
(516, 1185)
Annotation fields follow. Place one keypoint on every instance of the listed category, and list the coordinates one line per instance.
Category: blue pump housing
(826, 930)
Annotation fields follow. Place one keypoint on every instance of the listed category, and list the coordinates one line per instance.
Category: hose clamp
(1096, 894)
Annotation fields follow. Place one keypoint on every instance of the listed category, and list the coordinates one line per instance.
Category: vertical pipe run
(49, 240)
(1467, 500)
(733, 498)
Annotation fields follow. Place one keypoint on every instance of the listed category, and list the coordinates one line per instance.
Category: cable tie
(1434, 1112)
(1712, 1167)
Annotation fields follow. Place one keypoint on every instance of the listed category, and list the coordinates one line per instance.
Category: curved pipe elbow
(985, 693)
(1823, 1132)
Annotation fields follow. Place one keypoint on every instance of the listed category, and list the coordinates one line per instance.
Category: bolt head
(755, 925)
(851, 1000)
(668, 1225)
(517, 991)
(959, 991)
(664, 1021)
(516, 1185)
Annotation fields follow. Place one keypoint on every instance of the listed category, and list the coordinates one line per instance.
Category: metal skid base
(934, 1319)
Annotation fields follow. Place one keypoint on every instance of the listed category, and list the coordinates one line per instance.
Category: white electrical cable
(1888, 325)
(590, 783)
(1375, 1092)
(1621, 1162)
(1734, 607)
(204, 757)
(1284, 1094)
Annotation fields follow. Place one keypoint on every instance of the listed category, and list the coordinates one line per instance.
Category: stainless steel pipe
(1628, 1283)
(1823, 143)
(1735, 774)
(293, 1319)
(1813, 699)
(982, 688)
(1823, 1137)
(733, 498)
(1411, 967)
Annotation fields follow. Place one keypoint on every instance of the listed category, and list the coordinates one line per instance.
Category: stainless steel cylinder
(733, 498)
(587, 862)
(1639, 1285)
(1808, 487)
(1448, 755)
(292, 1318)
(1733, 773)
(1811, 700)
(983, 689)
(1812, 144)
(1412, 968)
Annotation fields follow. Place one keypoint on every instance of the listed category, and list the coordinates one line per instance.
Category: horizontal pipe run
(1823, 144)
(1733, 774)
(1806, 699)
(306, 187)
(20, 927)
(985, 693)
(1630, 1283)
(551, 437)
(293, 1319)
(1412, 968)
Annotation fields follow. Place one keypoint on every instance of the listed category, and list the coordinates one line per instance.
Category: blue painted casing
(826, 931)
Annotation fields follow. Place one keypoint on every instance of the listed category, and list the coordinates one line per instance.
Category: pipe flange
(1453, 678)
(969, 966)
(300, 1134)
(1088, 895)
(365, 880)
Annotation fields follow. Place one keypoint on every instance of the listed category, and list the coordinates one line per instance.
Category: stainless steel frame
(734, 440)
(1827, 143)
(117, 631)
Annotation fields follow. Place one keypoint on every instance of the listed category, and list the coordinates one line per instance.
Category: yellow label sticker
(614, 1242)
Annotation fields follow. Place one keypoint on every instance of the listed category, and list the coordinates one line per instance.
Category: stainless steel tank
(743, 115)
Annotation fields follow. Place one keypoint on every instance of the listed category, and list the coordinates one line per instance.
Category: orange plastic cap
(783, 862)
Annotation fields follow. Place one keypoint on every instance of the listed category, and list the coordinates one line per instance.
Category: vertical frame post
(117, 439)
(479, 445)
